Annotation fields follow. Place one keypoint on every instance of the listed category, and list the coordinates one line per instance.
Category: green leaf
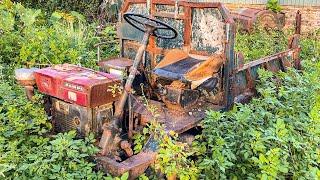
(125, 176)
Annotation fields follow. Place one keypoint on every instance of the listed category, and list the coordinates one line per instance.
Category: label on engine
(73, 86)
(72, 96)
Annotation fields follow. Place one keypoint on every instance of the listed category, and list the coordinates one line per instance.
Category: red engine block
(78, 85)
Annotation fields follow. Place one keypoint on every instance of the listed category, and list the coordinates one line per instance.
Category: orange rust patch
(206, 69)
(177, 84)
(171, 57)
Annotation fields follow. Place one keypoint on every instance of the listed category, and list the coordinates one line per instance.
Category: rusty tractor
(179, 55)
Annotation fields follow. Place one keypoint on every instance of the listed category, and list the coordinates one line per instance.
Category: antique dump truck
(176, 55)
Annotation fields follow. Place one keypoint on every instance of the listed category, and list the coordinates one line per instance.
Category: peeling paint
(208, 30)
(169, 9)
(178, 25)
(138, 8)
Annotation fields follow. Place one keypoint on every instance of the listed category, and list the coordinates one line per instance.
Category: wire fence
(282, 2)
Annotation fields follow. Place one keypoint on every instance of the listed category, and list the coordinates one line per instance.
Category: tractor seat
(178, 70)
(178, 65)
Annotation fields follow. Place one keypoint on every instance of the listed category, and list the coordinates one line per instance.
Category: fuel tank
(78, 85)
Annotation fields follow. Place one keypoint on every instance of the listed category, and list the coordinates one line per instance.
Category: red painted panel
(74, 84)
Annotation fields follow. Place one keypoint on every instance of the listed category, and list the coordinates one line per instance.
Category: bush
(93, 9)
(29, 38)
(87, 7)
(276, 135)
(260, 43)
(26, 149)
(310, 47)
(274, 6)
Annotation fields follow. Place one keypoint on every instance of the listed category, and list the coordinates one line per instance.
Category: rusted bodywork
(247, 18)
(135, 165)
(119, 66)
(181, 78)
(77, 85)
(191, 20)
(196, 71)
(68, 116)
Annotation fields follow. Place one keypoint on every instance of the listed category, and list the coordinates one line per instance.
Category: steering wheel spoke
(134, 19)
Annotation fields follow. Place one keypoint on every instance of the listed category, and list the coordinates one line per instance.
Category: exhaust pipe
(25, 78)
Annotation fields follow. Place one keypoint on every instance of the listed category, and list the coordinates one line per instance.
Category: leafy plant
(260, 43)
(88, 7)
(269, 137)
(274, 6)
(276, 136)
(174, 157)
(28, 151)
(29, 39)
(310, 47)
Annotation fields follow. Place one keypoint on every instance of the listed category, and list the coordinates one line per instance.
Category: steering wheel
(140, 22)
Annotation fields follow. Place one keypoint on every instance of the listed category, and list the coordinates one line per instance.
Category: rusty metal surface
(172, 43)
(116, 63)
(288, 53)
(133, 72)
(135, 165)
(187, 17)
(67, 116)
(29, 90)
(205, 38)
(298, 22)
(140, 8)
(76, 84)
(126, 146)
(184, 19)
(178, 70)
(180, 98)
(207, 69)
(190, 85)
(26, 82)
(234, 82)
(171, 57)
(173, 119)
(247, 18)
(245, 76)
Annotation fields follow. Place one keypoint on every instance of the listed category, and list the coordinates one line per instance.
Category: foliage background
(274, 136)
(28, 37)
(92, 9)
(28, 151)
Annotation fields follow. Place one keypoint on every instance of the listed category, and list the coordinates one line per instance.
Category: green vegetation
(276, 135)
(28, 151)
(310, 47)
(93, 9)
(29, 38)
(274, 6)
(261, 43)
(173, 159)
